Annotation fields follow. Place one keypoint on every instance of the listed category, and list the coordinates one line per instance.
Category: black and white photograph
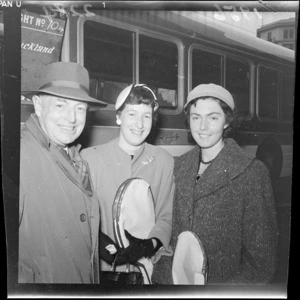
(147, 148)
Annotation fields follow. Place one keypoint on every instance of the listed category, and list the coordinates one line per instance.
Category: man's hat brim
(69, 93)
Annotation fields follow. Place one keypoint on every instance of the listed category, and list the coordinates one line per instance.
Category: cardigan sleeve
(260, 233)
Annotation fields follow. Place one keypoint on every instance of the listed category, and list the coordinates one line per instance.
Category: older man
(58, 209)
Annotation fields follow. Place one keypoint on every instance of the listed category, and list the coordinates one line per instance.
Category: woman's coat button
(82, 217)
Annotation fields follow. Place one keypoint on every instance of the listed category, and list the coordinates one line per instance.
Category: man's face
(61, 119)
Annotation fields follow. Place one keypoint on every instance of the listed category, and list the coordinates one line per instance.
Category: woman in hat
(130, 156)
(224, 195)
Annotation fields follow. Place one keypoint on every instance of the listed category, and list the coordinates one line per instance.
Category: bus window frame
(279, 118)
(251, 65)
(194, 46)
(224, 55)
(180, 72)
(138, 31)
(281, 100)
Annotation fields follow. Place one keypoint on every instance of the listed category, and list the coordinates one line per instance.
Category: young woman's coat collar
(230, 162)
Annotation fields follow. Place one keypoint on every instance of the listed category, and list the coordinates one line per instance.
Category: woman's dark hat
(68, 80)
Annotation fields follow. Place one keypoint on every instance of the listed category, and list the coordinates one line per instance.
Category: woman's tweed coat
(232, 211)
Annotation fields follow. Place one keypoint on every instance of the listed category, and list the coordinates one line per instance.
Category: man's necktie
(73, 157)
(80, 166)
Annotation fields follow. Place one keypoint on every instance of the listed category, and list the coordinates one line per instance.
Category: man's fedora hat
(68, 80)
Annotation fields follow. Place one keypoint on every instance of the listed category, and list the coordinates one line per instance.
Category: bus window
(158, 67)
(268, 93)
(206, 67)
(287, 100)
(108, 56)
(238, 83)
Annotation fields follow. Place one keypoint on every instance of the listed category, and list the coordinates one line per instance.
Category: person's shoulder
(24, 136)
(184, 160)
(187, 155)
(256, 173)
(232, 148)
(160, 153)
(27, 142)
(259, 167)
(96, 151)
(243, 158)
(32, 155)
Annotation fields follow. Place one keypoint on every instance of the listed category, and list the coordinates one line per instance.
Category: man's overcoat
(58, 217)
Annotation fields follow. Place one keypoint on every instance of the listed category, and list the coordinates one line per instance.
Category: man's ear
(37, 102)
(225, 126)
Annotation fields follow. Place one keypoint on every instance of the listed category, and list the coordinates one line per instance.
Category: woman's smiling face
(207, 123)
(135, 122)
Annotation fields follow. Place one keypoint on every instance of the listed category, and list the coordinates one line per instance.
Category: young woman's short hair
(141, 95)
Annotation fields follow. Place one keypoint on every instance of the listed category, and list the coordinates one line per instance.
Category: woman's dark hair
(229, 114)
(140, 95)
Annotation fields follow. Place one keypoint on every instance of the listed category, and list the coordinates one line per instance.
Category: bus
(172, 52)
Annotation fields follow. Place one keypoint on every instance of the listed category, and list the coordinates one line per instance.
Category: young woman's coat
(232, 211)
(110, 166)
